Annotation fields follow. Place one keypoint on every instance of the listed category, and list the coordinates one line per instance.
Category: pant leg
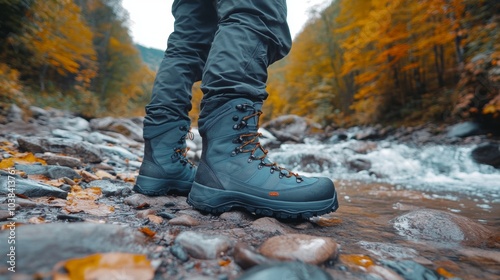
(251, 35)
(187, 50)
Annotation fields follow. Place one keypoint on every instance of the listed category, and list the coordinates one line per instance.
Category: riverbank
(73, 181)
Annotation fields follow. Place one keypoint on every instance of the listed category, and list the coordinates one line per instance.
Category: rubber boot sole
(217, 201)
(157, 187)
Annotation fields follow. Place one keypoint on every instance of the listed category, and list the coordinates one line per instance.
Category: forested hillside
(403, 61)
(356, 62)
(77, 55)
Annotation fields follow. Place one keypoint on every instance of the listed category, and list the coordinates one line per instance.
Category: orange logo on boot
(274, 193)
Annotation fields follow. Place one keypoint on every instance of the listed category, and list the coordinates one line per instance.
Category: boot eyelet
(236, 118)
(249, 160)
(281, 176)
(236, 126)
(271, 170)
(260, 166)
(300, 180)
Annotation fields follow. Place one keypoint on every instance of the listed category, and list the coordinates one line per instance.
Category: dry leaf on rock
(105, 266)
(103, 174)
(21, 158)
(147, 232)
(79, 200)
(36, 220)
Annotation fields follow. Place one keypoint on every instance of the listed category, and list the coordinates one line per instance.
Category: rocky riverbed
(74, 212)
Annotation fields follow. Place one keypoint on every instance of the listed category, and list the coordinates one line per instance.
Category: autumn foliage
(73, 54)
(366, 61)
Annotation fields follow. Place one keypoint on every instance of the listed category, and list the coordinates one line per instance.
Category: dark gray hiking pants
(228, 44)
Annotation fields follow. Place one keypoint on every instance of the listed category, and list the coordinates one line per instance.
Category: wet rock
(142, 201)
(390, 251)
(83, 150)
(53, 159)
(305, 248)
(235, 216)
(99, 138)
(246, 258)
(487, 153)
(368, 133)
(362, 147)
(411, 270)
(123, 126)
(465, 129)
(270, 225)
(37, 112)
(30, 188)
(111, 187)
(313, 163)
(286, 270)
(50, 171)
(67, 134)
(184, 220)
(440, 226)
(42, 246)
(119, 151)
(203, 246)
(359, 164)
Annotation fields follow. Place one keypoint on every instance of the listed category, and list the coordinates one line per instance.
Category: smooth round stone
(286, 270)
(301, 247)
(441, 226)
(203, 246)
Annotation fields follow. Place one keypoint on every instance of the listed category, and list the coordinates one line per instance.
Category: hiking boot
(234, 172)
(165, 167)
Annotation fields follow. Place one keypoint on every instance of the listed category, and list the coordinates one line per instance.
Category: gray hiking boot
(165, 167)
(234, 171)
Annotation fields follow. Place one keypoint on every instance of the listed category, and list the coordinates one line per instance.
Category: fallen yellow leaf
(105, 266)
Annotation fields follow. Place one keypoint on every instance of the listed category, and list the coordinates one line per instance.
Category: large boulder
(487, 153)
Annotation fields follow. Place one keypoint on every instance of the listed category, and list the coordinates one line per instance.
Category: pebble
(286, 270)
(203, 246)
(110, 187)
(306, 248)
(271, 225)
(235, 217)
(247, 258)
(4, 215)
(139, 201)
(184, 220)
(179, 252)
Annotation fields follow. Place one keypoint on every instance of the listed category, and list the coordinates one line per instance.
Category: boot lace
(181, 153)
(250, 144)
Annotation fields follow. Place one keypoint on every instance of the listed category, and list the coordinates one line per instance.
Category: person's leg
(234, 170)
(165, 167)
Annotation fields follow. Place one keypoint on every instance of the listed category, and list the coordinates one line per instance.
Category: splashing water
(431, 167)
